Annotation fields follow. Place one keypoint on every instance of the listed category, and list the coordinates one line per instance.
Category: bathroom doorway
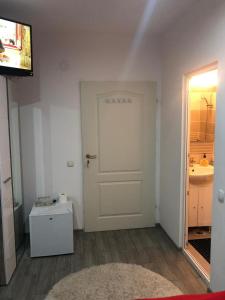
(201, 89)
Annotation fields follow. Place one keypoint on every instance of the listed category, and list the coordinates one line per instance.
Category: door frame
(185, 142)
(7, 269)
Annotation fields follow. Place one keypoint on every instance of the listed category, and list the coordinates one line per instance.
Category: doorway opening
(200, 137)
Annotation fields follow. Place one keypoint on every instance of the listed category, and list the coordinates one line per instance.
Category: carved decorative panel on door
(120, 198)
(120, 118)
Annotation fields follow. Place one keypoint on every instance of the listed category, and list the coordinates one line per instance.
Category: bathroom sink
(198, 173)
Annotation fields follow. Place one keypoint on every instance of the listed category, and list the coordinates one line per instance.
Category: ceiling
(110, 16)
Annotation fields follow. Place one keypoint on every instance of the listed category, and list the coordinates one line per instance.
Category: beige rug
(112, 281)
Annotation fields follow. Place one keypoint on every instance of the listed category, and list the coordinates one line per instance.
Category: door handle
(88, 156)
(7, 180)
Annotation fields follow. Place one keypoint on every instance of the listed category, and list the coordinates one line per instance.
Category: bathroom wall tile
(195, 101)
(200, 148)
(203, 115)
(195, 126)
(195, 116)
(210, 128)
(202, 137)
(210, 138)
(211, 116)
(202, 127)
(195, 136)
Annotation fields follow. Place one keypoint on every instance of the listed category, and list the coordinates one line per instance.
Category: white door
(118, 130)
(7, 217)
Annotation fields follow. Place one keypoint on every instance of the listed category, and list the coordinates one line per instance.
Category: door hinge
(188, 193)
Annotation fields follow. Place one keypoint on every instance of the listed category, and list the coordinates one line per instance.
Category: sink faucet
(192, 161)
(211, 162)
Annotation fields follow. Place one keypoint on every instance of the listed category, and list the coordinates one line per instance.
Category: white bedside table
(51, 229)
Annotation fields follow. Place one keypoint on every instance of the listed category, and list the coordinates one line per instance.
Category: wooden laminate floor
(149, 247)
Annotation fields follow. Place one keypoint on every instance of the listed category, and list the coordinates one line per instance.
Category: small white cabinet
(200, 204)
(51, 230)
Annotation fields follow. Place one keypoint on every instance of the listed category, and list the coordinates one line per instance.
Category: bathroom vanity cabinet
(200, 204)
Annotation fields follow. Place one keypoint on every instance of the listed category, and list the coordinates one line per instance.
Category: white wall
(51, 124)
(51, 133)
(197, 40)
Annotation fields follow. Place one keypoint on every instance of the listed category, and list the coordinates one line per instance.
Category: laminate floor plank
(149, 247)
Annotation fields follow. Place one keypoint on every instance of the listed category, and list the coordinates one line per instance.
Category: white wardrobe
(7, 232)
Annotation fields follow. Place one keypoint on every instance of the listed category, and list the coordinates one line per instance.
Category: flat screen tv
(15, 48)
